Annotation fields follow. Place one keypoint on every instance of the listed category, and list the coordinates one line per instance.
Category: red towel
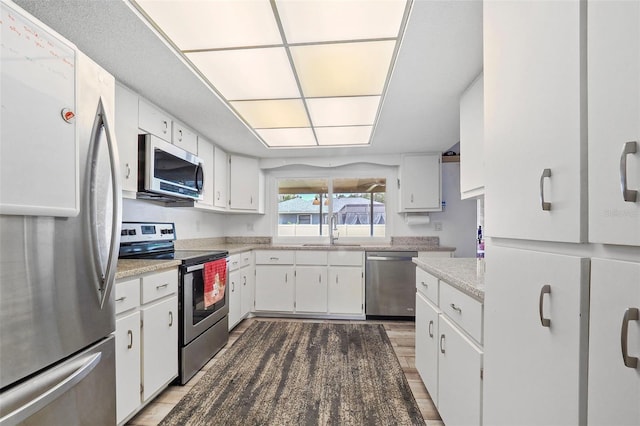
(215, 281)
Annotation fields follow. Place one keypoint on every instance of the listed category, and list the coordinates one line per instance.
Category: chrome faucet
(333, 226)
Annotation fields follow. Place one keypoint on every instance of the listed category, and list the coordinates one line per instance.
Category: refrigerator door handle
(105, 270)
(26, 400)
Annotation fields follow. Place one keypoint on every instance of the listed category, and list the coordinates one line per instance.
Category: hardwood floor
(401, 334)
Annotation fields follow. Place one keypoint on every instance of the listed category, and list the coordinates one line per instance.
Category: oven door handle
(195, 268)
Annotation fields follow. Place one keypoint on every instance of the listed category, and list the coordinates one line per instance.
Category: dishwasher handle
(387, 258)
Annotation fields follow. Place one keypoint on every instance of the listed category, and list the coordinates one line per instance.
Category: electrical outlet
(437, 226)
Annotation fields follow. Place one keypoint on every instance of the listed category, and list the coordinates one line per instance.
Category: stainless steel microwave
(168, 170)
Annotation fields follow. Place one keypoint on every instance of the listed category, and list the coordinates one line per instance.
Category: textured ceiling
(440, 56)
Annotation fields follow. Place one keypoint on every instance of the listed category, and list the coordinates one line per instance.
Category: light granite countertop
(461, 273)
(131, 267)
(234, 245)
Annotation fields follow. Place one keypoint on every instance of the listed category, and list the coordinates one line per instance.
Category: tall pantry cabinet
(562, 103)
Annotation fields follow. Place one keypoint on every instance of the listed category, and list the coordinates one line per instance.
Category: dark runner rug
(301, 373)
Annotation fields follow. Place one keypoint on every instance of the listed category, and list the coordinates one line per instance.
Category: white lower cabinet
(311, 289)
(274, 288)
(346, 293)
(128, 365)
(449, 354)
(240, 287)
(427, 336)
(459, 376)
(146, 339)
(614, 343)
(159, 345)
(235, 297)
(536, 327)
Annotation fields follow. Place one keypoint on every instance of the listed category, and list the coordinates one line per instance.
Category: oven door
(197, 314)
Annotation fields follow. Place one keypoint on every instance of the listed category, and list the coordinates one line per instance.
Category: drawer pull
(431, 329)
(442, 343)
(546, 206)
(170, 319)
(274, 258)
(121, 299)
(130, 335)
(455, 308)
(631, 314)
(546, 289)
(628, 195)
(234, 263)
(158, 287)
(424, 284)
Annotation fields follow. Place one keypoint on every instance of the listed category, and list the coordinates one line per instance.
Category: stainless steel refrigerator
(60, 214)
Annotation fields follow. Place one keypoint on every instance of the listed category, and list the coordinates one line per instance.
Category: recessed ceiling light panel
(347, 111)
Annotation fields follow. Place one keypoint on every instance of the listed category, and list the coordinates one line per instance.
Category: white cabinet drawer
(275, 257)
(312, 257)
(345, 258)
(127, 295)
(234, 262)
(427, 284)
(462, 309)
(159, 285)
(245, 258)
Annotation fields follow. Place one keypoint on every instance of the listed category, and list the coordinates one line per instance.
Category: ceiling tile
(287, 137)
(353, 135)
(345, 111)
(273, 113)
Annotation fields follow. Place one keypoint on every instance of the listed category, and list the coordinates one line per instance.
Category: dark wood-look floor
(401, 334)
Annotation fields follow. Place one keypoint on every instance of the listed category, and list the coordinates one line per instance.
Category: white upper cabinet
(420, 183)
(472, 140)
(184, 138)
(221, 178)
(244, 183)
(535, 127)
(206, 153)
(614, 121)
(154, 121)
(126, 124)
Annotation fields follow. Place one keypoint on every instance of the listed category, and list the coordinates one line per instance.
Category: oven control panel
(133, 232)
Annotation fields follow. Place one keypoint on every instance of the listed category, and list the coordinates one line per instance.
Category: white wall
(458, 220)
(190, 223)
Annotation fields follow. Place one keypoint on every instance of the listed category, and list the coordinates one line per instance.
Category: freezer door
(79, 391)
(56, 273)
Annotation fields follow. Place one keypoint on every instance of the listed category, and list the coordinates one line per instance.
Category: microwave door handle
(105, 270)
(199, 178)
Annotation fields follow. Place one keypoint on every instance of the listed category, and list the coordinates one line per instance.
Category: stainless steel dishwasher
(390, 284)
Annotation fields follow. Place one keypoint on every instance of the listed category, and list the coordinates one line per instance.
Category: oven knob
(132, 232)
(123, 232)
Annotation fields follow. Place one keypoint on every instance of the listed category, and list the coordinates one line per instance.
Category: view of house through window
(306, 207)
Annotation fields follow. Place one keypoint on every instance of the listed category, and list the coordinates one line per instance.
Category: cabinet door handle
(286, 277)
(130, 335)
(442, 343)
(121, 299)
(128, 171)
(180, 137)
(424, 284)
(218, 195)
(158, 287)
(233, 287)
(166, 126)
(319, 278)
(631, 314)
(336, 279)
(629, 195)
(274, 258)
(431, 329)
(244, 280)
(170, 319)
(546, 173)
(546, 289)
(412, 198)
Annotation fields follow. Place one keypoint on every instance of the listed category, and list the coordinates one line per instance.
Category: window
(305, 207)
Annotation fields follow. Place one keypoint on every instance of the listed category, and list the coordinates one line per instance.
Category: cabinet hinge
(362, 274)
(398, 183)
(141, 388)
(141, 323)
(295, 273)
(482, 374)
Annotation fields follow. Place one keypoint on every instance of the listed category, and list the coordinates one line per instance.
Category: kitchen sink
(330, 245)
